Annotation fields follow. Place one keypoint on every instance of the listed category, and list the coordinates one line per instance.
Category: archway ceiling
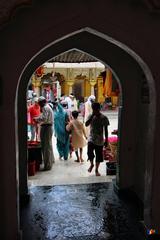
(8, 8)
(73, 56)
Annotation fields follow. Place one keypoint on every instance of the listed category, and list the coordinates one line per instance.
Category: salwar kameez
(63, 148)
(60, 120)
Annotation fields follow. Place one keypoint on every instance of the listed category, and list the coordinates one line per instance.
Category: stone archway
(134, 116)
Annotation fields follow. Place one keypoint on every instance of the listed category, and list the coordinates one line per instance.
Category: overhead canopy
(73, 56)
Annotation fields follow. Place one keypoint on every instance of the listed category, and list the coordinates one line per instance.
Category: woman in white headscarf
(88, 111)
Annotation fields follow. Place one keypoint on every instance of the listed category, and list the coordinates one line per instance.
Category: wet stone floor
(79, 212)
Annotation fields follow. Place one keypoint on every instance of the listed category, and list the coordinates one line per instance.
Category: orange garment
(108, 84)
(34, 111)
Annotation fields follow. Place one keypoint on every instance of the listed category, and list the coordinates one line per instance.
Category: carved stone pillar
(92, 80)
(92, 83)
(70, 85)
(100, 89)
(70, 80)
(36, 82)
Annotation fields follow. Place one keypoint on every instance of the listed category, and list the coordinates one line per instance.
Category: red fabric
(107, 155)
(34, 111)
(28, 117)
(113, 139)
(31, 168)
(40, 71)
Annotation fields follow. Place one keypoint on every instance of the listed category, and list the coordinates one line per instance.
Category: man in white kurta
(88, 111)
(46, 120)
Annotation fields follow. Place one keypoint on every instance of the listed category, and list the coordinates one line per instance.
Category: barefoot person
(78, 135)
(98, 126)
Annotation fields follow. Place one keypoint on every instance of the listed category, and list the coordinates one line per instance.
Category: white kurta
(87, 112)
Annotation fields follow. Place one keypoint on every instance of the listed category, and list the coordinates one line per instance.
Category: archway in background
(80, 77)
(127, 65)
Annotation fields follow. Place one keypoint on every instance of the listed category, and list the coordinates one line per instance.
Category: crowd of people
(61, 118)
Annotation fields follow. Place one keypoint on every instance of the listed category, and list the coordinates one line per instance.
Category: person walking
(78, 135)
(98, 126)
(46, 120)
(34, 111)
(88, 111)
(60, 121)
(74, 106)
(71, 104)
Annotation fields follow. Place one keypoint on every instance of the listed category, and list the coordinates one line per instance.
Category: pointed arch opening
(136, 113)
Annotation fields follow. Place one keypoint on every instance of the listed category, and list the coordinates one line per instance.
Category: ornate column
(70, 84)
(92, 80)
(108, 83)
(100, 89)
(70, 80)
(36, 82)
(92, 83)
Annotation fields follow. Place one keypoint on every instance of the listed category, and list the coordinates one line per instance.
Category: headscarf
(60, 123)
(91, 98)
(88, 107)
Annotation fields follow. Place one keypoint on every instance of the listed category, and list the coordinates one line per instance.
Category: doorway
(86, 39)
(78, 89)
(74, 172)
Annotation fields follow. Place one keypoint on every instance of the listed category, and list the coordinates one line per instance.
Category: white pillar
(70, 89)
(58, 89)
(92, 90)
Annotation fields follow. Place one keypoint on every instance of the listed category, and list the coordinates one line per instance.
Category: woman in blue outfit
(60, 120)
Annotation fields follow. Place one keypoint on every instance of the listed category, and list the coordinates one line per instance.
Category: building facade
(81, 79)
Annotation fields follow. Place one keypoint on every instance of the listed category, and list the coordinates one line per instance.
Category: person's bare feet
(97, 173)
(81, 160)
(90, 168)
(76, 160)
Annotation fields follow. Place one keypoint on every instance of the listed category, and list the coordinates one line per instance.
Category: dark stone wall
(41, 23)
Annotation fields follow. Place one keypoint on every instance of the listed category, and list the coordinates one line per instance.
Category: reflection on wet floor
(76, 212)
(88, 211)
